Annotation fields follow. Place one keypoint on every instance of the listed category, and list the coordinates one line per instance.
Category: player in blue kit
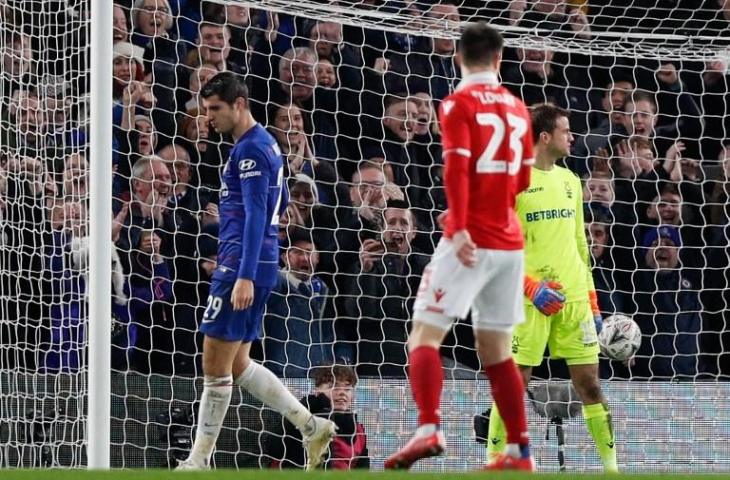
(252, 195)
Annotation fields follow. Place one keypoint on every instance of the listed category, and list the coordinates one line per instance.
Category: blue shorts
(222, 322)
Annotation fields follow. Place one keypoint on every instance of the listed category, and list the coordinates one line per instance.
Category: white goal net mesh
(349, 89)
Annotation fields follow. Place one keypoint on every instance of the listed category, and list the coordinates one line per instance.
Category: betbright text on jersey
(487, 142)
(551, 213)
(252, 198)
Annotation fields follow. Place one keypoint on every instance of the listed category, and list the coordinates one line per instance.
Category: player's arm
(584, 252)
(254, 182)
(456, 126)
(284, 202)
(456, 119)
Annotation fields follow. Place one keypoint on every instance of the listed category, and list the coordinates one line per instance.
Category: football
(620, 337)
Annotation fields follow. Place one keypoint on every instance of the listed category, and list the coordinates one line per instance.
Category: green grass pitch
(291, 475)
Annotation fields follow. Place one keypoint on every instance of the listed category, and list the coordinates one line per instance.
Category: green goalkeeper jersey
(551, 214)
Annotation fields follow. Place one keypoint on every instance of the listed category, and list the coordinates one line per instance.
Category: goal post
(100, 225)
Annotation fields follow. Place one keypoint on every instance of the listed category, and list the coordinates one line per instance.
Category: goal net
(349, 90)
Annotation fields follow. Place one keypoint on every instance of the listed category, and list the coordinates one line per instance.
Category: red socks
(426, 377)
(508, 392)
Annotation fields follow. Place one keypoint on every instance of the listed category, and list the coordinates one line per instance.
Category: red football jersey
(487, 141)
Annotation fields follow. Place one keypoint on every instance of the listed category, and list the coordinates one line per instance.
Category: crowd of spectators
(353, 110)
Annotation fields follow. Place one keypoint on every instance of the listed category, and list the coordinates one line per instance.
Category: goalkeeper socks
(508, 392)
(427, 378)
(213, 407)
(497, 437)
(268, 389)
(598, 421)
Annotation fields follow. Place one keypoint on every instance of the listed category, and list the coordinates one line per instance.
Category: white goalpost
(100, 257)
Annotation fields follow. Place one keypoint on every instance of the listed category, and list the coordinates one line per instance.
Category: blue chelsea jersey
(253, 195)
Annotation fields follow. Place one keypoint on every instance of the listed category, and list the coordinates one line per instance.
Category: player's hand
(466, 249)
(598, 320)
(242, 294)
(545, 296)
(441, 219)
(596, 309)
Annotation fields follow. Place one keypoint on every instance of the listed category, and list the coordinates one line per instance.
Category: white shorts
(492, 289)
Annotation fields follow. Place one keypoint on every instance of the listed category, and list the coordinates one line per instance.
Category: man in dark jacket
(381, 296)
(296, 336)
(394, 142)
(668, 311)
(603, 123)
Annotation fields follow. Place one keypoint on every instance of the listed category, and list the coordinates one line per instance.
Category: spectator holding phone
(381, 296)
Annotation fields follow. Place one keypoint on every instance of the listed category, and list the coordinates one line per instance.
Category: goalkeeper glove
(597, 318)
(544, 295)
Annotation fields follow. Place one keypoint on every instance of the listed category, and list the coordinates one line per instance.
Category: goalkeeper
(561, 308)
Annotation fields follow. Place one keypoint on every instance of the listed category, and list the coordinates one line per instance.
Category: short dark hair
(596, 214)
(215, 22)
(298, 234)
(480, 44)
(397, 204)
(272, 109)
(545, 117)
(402, 205)
(669, 188)
(332, 373)
(639, 96)
(391, 100)
(227, 86)
(366, 165)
